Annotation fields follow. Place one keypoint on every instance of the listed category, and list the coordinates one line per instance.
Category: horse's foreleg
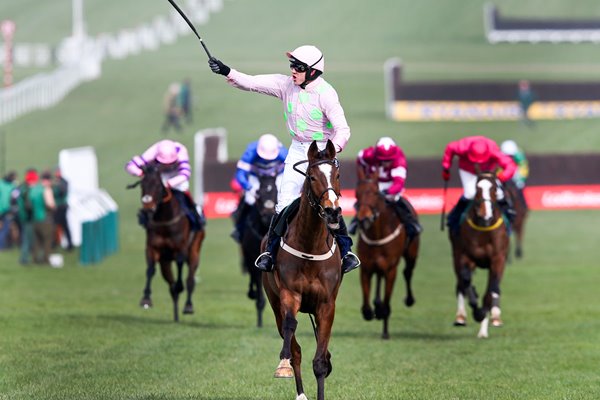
(260, 302)
(146, 301)
(296, 362)
(289, 309)
(410, 260)
(390, 279)
(322, 361)
(365, 283)
(165, 269)
(492, 298)
(465, 286)
(193, 262)
(379, 312)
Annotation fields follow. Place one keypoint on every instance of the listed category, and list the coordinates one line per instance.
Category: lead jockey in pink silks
(173, 163)
(312, 112)
(484, 152)
(388, 159)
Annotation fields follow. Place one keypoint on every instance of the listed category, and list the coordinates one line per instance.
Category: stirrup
(349, 262)
(264, 262)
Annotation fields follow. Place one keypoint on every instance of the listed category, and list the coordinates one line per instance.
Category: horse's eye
(311, 178)
(338, 176)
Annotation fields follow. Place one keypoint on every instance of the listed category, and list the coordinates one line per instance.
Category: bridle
(491, 225)
(313, 200)
(374, 210)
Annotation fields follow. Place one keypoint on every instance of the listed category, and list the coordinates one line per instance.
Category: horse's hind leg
(386, 310)
(260, 302)
(365, 283)
(465, 286)
(296, 362)
(379, 307)
(146, 301)
(193, 262)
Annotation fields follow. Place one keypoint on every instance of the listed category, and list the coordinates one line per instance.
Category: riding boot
(507, 209)
(350, 260)
(266, 260)
(143, 218)
(239, 216)
(197, 220)
(456, 213)
(353, 227)
(413, 228)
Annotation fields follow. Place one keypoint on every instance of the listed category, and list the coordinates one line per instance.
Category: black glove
(218, 67)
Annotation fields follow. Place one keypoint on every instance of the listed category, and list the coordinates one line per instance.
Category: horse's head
(485, 197)
(322, 183)
(367, 197)
(266, 197)
(153, 190)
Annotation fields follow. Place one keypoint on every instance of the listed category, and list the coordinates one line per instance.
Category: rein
(313, 200)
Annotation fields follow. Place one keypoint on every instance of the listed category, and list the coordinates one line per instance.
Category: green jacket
(6, 189)
(31, 204)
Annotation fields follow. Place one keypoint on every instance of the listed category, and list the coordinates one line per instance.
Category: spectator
(185, 100)
(43, 220)
(29, 188)
(526, 99)
(60, 190)
(172, 110)
(7, 215)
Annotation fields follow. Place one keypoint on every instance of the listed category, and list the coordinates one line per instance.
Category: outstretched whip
(191, 26)
(444, 206)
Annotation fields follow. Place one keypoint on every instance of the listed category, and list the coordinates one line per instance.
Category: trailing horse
(168, 238)
(516, 197)
(256, 227)
(307, 273)
(382, 243)
(482, 241)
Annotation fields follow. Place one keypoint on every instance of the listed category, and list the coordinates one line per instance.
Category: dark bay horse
(257, 226)
(168, 238)
(307, 273)
(482, 242)
(382, 243)
(521, 211)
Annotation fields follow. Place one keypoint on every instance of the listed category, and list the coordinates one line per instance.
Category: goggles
(298, 66)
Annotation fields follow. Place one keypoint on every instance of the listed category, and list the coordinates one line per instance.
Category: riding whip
(444, 206)
(191, 26)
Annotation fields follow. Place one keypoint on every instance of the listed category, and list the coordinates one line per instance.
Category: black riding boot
(413, 228)
(456, 213)
(239, 216)
(349, 260)
(143, 218)
(507, 209)
(266, 260)
(353, 227)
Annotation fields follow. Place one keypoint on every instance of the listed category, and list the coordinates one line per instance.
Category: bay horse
(521, 211)
(168, 238)
(382, 243)
(307, 272)
(256, 227)
(482, 242)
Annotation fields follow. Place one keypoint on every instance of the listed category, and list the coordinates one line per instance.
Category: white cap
(509, 147)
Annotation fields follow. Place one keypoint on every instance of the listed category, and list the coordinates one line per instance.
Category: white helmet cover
(310, 56)
(268, 147)
(509, 147)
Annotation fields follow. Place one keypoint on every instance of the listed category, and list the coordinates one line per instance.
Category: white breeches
(292, 181)
(250, 194)
(469, 184)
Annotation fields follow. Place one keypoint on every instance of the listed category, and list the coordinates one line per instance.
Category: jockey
(172, 160)
(472, 151)
(263, 157)
(388, 158)
(510, 148)
(312, 112)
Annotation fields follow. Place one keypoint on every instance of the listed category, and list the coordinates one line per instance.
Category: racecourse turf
(78, 333)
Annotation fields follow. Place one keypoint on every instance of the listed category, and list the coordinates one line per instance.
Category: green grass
(78, 332)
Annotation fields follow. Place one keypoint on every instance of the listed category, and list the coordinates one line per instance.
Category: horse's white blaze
(146, 199)
(327, 170)
(302, 397)
(486, 187)
(483, 330)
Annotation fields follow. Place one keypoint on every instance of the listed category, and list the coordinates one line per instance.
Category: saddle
(283, 219)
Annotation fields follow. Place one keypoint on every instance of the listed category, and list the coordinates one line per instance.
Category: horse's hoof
(252, 295)
(409, 301)
(479, 314)
(385, 336)
(188, 309)
(301, 397)
(146, 304)
(284, 369)
(519, 253)
(460, 321)
(497, 322)
(367, 313)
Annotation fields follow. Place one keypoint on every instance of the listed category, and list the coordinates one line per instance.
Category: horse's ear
(330, 150)
(313, 151)
(360, 172)
(477, 169)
